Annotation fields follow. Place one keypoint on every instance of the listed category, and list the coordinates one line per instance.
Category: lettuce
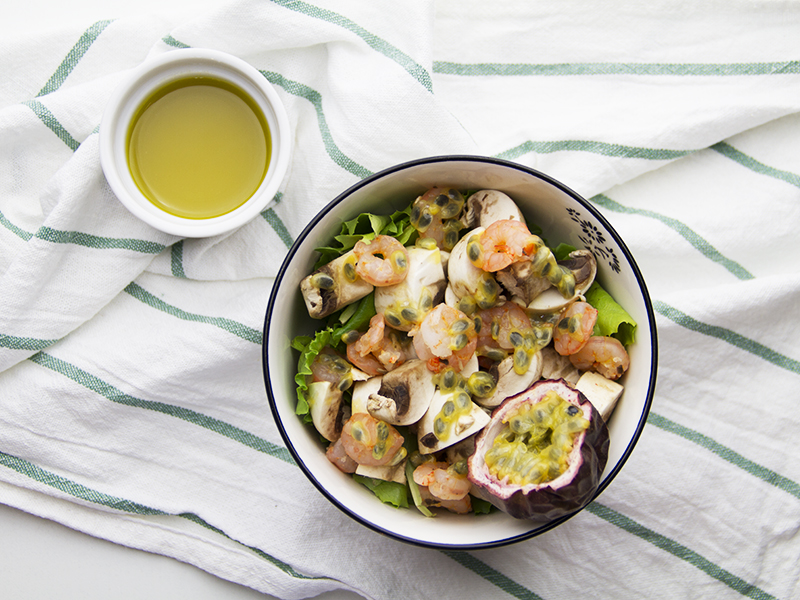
(612, 319)
(309, 347)
(388, 492)
(365, 227)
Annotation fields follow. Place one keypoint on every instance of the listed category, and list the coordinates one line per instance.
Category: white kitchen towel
(132, 403)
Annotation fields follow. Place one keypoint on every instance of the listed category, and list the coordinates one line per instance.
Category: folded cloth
(132, 404)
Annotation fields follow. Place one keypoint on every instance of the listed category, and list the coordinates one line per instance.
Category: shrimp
(382, 261)
(501, 244)
(574, 328)
(337, 455)
(443, 481)
(371, 442)
(606, 355)
(446, 337)
(504, 328)
(461, 507)
(378, 350)
(329, 366)
(433, 215)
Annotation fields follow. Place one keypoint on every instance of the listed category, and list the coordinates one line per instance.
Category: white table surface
(78, 566)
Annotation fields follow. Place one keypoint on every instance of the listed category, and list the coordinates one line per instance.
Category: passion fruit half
(542, 454)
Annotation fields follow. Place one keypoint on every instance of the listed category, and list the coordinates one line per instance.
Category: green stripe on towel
(729, 151)
(509, 586)
(379, 45)
(315, 98)
(726, 335)
(13, 342)
(238, 329)
(679, 551)
(108, 391)
(82, 492)
(648, 69)
(46, 117)
(73, 57)
(690, 236)
(736, 459)
(605, 149)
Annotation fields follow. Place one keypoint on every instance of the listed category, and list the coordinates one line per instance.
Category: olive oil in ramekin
(198, 147)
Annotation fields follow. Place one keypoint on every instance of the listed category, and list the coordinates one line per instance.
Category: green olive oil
(198, 147)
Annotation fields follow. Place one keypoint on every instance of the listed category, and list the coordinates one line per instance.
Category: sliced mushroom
(362, 390)
(325, 404)
(555, 366)
(395, 473)
(468, 286)
(404, 394)
(451, 417)
(583, 266)
(509, 382)
(333, 286)
(520, 282)
(487, 206)
(405, 304)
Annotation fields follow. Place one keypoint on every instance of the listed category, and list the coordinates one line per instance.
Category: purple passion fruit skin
(565, 494)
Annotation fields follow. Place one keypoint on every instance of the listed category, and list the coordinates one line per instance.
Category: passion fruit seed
(399, 261)
(566, 286)
(350, 337)
(467, 305)
(349, 268)
(522, 360)
(322, 281)
(426, 243)
(383, 441)
(459, 342)
(360, 432)
(448, 380)
(474, 250)
(481, 384)
(451, 228)
(460, 467)
(495, 354)
(392, 318)
(535, 442)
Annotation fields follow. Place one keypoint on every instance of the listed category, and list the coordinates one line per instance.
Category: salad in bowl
(457, 358)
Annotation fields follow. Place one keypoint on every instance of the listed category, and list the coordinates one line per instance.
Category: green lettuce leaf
(365, 227)
(309, 347)
(481, 506)
(612, 319)
(388, 492)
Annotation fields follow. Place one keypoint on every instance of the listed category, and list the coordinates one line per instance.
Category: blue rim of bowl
(535, 531)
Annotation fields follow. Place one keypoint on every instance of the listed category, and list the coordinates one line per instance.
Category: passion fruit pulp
(542, 454)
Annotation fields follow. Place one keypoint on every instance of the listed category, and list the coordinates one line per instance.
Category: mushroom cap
(487, 206)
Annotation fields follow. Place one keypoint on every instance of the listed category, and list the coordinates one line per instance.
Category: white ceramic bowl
(152, 75)
(565, 217)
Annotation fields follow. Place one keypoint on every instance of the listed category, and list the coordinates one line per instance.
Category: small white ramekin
(155, 73)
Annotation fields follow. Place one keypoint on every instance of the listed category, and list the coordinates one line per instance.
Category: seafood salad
(462, 363)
